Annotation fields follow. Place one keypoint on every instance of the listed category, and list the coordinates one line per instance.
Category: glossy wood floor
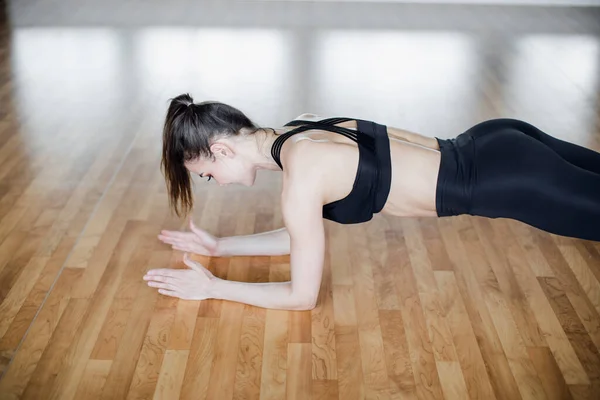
(452, 308)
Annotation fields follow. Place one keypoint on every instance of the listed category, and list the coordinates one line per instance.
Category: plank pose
(345, 170)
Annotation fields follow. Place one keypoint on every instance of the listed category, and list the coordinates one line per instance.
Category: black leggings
(505, 168)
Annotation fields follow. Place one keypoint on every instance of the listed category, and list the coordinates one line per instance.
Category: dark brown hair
(190, 128)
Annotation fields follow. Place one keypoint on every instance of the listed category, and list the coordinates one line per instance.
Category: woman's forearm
(275, 295)
(272, 243)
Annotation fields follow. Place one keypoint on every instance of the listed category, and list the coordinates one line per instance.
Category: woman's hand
(189, 284)
(197, 241)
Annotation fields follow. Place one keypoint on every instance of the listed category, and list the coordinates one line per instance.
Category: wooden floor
(451, 308)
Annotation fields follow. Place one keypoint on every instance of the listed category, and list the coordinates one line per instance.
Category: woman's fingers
(189, 262)
(176, 234)
(186, 246)
(170, 240)
(186, 283)
(195, 265)
(165, 239)
(200, 235)
(195, 229)
(163, 272)
(162, 285)
(197, 242)
(164, 278)
(180, 236)
(194, 245)
(176, 241)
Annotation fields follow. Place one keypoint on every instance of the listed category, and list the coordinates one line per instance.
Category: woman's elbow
(306, 303)
(306, 307)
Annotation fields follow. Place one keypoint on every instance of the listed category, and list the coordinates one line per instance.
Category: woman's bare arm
(199, 241)
(272, 243)
(302, 205)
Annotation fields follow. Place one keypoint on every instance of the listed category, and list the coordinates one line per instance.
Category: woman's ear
(220, 149)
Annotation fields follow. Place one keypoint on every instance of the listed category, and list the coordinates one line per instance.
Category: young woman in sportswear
(345, 170)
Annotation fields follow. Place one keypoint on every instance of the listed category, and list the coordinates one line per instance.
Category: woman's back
(414, 168)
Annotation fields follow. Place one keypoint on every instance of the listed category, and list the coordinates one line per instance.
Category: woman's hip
(492, 152)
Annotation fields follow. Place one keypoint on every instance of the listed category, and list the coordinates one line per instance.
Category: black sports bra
(374, 173)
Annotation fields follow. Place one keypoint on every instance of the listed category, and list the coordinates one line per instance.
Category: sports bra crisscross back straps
(374, 173)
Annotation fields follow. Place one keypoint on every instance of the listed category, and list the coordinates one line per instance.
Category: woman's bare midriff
(414, 180)
(414, 170)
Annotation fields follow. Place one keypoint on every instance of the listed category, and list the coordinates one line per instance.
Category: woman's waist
(413, 187)
(457, 175)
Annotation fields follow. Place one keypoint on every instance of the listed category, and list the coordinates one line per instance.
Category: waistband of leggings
(453, 191)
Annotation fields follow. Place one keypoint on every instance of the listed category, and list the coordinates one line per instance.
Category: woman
(346, 170)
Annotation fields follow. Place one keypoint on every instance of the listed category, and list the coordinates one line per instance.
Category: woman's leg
(579, 156)
(521, 178)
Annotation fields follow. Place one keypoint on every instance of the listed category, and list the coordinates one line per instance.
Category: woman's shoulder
(303, 166)
(308, 116)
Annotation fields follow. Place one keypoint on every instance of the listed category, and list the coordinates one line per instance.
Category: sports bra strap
(327, 121)
(326, 124)
(349, 133)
